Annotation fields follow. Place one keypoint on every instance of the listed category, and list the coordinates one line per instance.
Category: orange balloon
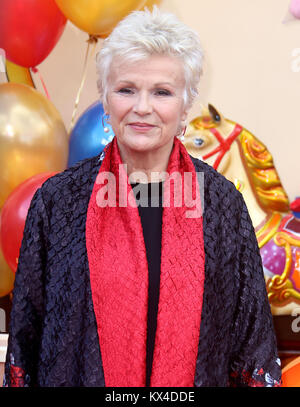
(291, 374)
(7, 277)
(98, 17)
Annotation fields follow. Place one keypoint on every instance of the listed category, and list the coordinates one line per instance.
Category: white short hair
(145, 33)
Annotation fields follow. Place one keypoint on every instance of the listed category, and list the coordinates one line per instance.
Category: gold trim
(280, 287)
(268, 230)
(262, 173)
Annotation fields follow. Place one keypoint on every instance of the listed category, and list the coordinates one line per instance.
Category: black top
(150, 211)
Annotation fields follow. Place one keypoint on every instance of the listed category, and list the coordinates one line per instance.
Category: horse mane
(262, 173)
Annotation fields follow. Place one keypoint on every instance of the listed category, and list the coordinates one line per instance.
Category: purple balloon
(295, 8)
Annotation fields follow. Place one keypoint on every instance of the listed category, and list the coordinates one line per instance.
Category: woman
(112, 291)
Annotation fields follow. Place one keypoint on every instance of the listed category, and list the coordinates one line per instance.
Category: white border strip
(3, 347)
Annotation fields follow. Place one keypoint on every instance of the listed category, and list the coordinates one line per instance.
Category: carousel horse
(236, 153)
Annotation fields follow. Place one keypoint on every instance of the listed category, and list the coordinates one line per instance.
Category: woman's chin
(139, 142)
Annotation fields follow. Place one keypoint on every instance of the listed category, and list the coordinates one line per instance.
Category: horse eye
(198, 141)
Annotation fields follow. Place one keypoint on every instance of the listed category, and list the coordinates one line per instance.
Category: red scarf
(119, 278)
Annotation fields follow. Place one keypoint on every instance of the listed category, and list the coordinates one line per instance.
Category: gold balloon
(33, 138)
(98, 17)
(7, 277)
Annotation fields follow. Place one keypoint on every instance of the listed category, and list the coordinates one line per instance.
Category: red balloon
(13, 217)
(29, 29)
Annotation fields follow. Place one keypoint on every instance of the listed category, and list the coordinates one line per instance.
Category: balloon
(291, 374)
(33, 138)
(98, 17)
(29, 29)
(7, 277)
(13, 217)
(294, 8)
(88, 138)
(18, 74)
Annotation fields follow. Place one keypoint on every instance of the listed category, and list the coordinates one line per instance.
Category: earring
(182, 134)
(104, 125)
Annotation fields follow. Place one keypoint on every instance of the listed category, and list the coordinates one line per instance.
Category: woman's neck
(144, 167)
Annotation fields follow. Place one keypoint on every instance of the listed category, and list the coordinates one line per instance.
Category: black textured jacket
(53, 337)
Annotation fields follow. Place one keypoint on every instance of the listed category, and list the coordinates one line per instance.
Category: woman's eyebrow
(164, 83)
(125, 81)
(129, 82)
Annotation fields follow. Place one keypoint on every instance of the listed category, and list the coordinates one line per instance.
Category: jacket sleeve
(254, 359)
(27, 304)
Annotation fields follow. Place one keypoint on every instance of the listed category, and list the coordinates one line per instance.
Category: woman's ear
(105, 104)
(105, 108)
(184, 115)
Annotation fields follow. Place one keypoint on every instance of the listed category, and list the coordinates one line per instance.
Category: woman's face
(145, 102)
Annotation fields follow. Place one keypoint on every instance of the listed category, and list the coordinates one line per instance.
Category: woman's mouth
(141, 127)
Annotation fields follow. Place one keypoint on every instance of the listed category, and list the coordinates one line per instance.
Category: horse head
(244, 160)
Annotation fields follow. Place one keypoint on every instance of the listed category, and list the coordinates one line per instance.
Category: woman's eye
(126, 91)
(163, 92)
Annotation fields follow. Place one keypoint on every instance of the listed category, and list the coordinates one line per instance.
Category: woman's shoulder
(213, 180)
(75, 180)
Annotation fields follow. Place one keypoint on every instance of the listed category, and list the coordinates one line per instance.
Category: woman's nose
(143, 104)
